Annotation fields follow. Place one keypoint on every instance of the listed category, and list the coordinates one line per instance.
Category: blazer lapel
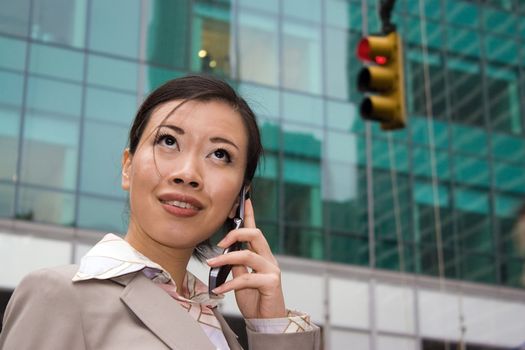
(162, 314)
(230, 335)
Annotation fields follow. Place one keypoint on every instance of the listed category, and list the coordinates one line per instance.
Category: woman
(194, 144)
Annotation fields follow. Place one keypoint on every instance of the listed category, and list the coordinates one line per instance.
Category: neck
(173, 260)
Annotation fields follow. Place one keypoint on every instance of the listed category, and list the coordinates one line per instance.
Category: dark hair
(200, 88)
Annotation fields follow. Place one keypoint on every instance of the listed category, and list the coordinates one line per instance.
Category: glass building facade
(437, 198)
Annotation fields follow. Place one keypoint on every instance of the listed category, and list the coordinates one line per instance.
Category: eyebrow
(216, 139)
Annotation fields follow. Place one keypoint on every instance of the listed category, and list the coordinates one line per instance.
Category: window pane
(301, 49)
(341, 13)
(110, 106)
(265, 199)
(101, 158)
(346, 148)
(297, 9)
(501, 49)
(306, 243)
(167, 32)
(59, 21)
(343, 116)
(264, 101)
(502, 22)
(270, 137)
(46, 206)
(258, 48)
(56, 62)
(13, 53)
(15, 17)
(349, 249)
(102, 214)
(50, 152)
(422, 130)
(112, 73)
(434, 36)
(267, 5)
(156, 76)
(302, 109)
(504, 100)
(462, 13)
(469, 140)
(423, 166)
(472, 171)
(388, 156)
(7, 200)
(432, 8)
(463, 42)
(509, 177)
(54, 97)
(393, 256)
(508, 148)
(341, 64)
(120, 37)
(12, 87)
(210, 52)
(9, 136)
(478, 268)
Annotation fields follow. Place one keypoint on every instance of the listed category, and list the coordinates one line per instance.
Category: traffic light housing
(382, 80)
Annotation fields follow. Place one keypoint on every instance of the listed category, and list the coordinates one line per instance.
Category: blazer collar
(161, 314)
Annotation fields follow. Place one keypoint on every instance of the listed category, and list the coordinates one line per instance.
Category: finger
(249, 215)
(252, 281)
(246, 258)
(239, 270)
(253, 236)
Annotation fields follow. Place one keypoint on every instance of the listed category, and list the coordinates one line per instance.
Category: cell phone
(219, 274)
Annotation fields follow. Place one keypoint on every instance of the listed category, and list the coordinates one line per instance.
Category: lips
(180, 205)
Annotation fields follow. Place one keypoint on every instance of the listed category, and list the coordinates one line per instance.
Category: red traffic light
(364, 53)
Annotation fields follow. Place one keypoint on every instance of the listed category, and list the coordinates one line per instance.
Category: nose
(186, 172)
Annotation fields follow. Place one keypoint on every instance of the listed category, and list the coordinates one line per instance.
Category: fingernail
(221, 244)
(210, 260)
(216, 290)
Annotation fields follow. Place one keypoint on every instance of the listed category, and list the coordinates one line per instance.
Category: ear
(232, 213)
(126, 167)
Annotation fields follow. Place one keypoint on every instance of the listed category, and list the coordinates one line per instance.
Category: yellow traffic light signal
(382, 80)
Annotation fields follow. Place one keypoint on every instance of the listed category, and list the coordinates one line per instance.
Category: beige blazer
(49, 311)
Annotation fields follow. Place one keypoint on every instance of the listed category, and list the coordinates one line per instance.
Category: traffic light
(382, 80)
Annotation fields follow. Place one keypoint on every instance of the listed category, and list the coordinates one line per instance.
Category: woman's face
(186, 173)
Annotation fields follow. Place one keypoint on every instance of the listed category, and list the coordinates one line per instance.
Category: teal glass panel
(509, 177)
(302, 141)
(56, 98)
(7, 200)
(102, 147)
(56, 62)
(373, 21)
(302, 193)
(343, 116)
(470, 200)
(15, 17)
(431, 38)
(110, 106)
(50, 152)
(102, 214)
(478, 268)
(271, 6)
(258, 48)
(343, 14)
(522, 28)
(393, 256)
(345, 148)
(9, 137)
(462, 13)
(463, 42)
(429, 162)
(418, 65)
(13, 53)
(429, 259)
(120, 37)
(167, 32)
(504, 100)
(392, 206)
(512, 272)
(112, 73)
(59, 21)
(432, 9)
(265, 198)
(302, 109)
(263, 101)
(349, 249)
(501, 49)
(210, 39)
(472, 223)
(305, 243)
(430, 132)
(389, 155)
(270, 135)
(471, 171)
(469, 140)
(156, 76)
(345, 197)
(271, 233)
(46, 206)
(12, 87)
(297, 9)
(502, 22)
(465, 91)
(506, 208)
(301, 55)
(509, 148)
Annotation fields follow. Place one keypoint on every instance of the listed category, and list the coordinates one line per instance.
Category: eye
(222, 154)
(167, 140)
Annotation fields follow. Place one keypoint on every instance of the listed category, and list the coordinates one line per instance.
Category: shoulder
(48, 279)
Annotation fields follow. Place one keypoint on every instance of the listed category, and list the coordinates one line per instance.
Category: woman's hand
(259, 292)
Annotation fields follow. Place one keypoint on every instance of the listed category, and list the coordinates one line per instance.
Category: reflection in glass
(112, 73)
(301, 49)
(101, 214)
(10, 122)
(302, 109)
(509, 177)
(421, 132)
(504, 100)
(462, 13)
(258, 48)
(56, 62)
(59, 21)
(7, 200)
(393, 256)
(349, 249)
(501, 49)
(341, 65)
(13, 53)
(110, 106)
(509, 148)
(50, 152)
(297, 9)
(45, 206)
(264, 101)
(55, 98)
(471, 171)
(304, 242)
(15, 17)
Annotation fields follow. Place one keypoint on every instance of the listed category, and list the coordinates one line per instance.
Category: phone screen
(218, 275)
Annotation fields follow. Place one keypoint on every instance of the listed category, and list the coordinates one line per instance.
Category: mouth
(179, 204)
